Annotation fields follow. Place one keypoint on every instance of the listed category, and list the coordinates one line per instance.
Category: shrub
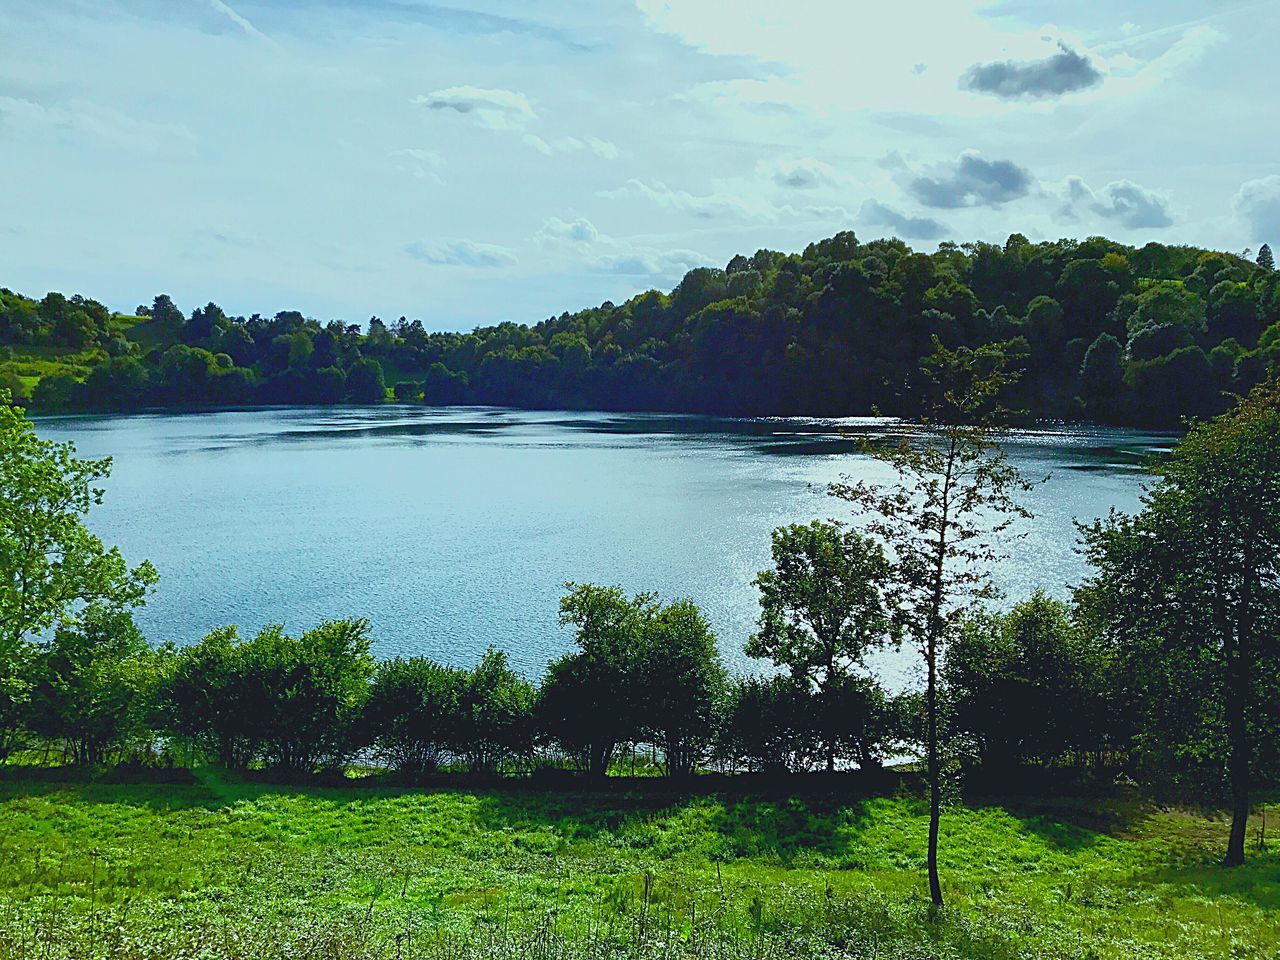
(413, 715)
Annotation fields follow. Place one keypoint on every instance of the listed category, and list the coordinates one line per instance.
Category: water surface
(454, 528)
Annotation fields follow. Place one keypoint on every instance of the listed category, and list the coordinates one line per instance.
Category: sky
(483, 161)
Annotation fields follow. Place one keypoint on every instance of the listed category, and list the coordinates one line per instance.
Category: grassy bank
(223, 869)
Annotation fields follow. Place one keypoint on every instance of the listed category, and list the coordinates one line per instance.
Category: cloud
(1257, 202)
(706, 206)
(555, 232)
(461, 253)
(1129, 204)
(93, 121)
(913, 228)
(1065, 72)
(599, 253)
(495, 109)
(803, 174)
(601, 148)
(971, 182)
(419, 164)
(238, 20)
(650, 263)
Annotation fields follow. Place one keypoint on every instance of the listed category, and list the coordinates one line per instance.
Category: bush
(496, 720)
(767, 726)
(94, 686)
(413, 715)
(292, 703)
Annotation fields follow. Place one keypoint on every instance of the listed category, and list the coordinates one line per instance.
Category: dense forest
(1099, 330)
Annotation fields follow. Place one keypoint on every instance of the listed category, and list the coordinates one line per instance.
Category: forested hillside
(1103, 332)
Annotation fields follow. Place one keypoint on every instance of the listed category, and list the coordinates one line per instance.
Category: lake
(454, 528)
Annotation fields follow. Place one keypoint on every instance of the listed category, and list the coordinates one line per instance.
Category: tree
(495, 714)
(52, 563)
(365, 383)
(306, 693)
(94, 681)
(1266, 259)
(822, 608)
(767, 725)
(955, 495)
(587, 701)
(1191, 586)
(413, 714)
(680, 686)
(1028, 686)
(206, 701)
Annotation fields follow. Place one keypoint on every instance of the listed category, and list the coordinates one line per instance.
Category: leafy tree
(680, 685)
(768, 726)
(1028, 686)
(1266, 259)
(365, 383)
(822, 608)
(306, 693)
(94, 682)
(1189, 588)
(1102, 377)
(587, 701)
(955, 496)
(52, 562)
(206, 700)
(413, 715)
(496, 715)
(163, 310)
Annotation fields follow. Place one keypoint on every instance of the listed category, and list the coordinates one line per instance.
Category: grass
(228, 869)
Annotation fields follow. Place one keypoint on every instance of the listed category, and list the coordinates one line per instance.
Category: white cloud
(419, 164)
(461, 253)
(585, 247)
(495, 109)
(238, 20)
(601, 148)
(1127, 203)
(1257, 202)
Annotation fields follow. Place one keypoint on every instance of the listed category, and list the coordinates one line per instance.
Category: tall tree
(955, 494)
(822, 608)
(50, 563)
(1266, 259)
(1193, 583)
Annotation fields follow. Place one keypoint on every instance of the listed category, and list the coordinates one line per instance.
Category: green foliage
(838, 329)
(292, 703)
(822, 609)
(52, 563)
(413, 714)
(1187, 592)
(1030, 686)
(642, 672)
(365, 383)
(95, 681)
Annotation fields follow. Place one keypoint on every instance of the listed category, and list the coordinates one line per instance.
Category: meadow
(217, 867)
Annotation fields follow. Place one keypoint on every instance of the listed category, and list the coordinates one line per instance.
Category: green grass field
(222, 869)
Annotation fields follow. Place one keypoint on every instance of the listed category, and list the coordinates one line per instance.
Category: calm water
(453, 529)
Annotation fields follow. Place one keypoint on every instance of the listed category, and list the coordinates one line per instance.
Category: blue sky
(471, 163)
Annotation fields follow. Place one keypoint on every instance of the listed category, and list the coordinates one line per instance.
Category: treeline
(1028, 688)
(1100, 330)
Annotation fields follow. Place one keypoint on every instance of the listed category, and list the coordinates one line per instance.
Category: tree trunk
(935, 800)
(931, 693)
(1238, 762)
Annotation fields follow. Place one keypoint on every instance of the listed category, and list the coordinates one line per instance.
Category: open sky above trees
(482, 160)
